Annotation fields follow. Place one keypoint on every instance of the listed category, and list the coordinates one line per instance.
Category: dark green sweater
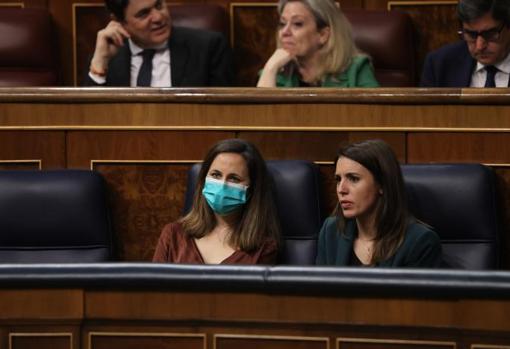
(421, 247)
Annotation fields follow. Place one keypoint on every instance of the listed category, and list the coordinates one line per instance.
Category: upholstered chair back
(388, 37)
(460, 202)
(202, 16)
(28, 50)
(54, 217)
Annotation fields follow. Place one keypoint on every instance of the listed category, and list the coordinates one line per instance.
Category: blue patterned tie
(491, 75)
(145, 73)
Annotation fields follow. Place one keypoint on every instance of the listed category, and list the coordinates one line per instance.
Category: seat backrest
(54, 217)
(28, 50)
(389, 38)
(297, 198)
(201, 16)
(459, 201)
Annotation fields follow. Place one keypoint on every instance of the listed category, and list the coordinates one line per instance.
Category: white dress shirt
(161, 73)
(480, 74)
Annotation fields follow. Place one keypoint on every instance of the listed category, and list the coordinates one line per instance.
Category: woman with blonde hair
(233, 219)
(315, 48)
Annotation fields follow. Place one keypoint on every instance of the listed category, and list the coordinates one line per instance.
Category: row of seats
(62, 216)
(458, 200)
(29, 53)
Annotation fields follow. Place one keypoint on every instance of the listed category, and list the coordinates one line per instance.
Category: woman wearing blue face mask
(233, 219)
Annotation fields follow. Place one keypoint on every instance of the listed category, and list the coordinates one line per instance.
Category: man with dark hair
(482, 58)
(140, 47)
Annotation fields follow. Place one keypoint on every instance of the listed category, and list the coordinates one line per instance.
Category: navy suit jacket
(198, 58)
(449, 66)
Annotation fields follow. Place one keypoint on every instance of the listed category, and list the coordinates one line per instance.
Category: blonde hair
(338, 52)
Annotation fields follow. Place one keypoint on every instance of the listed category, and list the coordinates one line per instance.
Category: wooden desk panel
(50, 304)
(41, 340)
(139, 146)
(315, 145)
(255, 109)
(32, 149)
(293, 117)
(263, 308)
(286, 321)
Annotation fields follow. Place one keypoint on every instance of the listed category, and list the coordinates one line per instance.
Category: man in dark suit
(482, 59)
(140, 47)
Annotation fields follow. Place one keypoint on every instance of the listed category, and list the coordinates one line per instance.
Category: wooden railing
(183, 306)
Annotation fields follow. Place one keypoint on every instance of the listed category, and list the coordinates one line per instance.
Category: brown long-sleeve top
(175, 246)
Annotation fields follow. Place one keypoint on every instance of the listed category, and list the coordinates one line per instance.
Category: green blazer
(421, 247)
(359, 74)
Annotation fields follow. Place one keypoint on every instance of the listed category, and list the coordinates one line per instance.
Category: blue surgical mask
(224, 197)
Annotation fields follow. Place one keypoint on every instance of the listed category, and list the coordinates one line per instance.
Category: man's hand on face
(108, 42)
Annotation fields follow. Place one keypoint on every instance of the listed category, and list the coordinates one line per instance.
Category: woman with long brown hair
(233, 218)
(371, 225)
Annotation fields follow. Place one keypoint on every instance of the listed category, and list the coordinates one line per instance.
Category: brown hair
(258, 220)
(392, 213)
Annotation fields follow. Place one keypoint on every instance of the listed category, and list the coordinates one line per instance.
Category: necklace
(364, 249)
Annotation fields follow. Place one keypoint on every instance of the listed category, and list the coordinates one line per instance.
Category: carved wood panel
(430, 37)
(143, 198)
(253, 38)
